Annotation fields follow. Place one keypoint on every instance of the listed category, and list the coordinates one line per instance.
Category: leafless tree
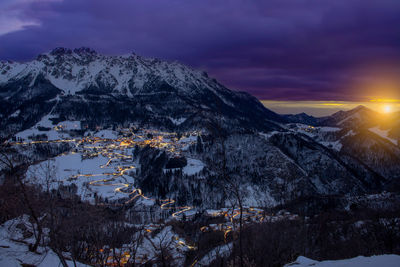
(7, 164)
(136, 240)
(162, 248)
(230, 183)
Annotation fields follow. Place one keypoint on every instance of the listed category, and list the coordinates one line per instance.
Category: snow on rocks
(178, 121)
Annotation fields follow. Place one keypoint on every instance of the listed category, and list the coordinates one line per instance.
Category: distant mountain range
(359, 117)
(81, 84)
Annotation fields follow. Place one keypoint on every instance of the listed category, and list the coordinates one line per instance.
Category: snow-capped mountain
(83, 85)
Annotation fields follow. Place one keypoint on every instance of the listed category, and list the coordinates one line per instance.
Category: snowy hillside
(166, 159)
(374, 261)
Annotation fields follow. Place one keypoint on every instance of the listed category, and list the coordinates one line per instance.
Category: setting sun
(387, 108)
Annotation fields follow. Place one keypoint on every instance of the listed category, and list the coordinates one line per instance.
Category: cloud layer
(275, 49)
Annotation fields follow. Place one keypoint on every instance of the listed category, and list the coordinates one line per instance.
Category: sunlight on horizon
(326, 108)
(387, 109)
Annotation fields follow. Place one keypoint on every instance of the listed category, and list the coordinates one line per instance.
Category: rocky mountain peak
(130, 88)
(59, 51)
(85, 50)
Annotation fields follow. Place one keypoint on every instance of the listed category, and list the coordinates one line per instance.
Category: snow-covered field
(101, 164)
(46, 127)
(374, 261)
(193, 166)
(92, 176)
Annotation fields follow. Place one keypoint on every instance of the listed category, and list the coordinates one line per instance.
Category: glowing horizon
(326, 108)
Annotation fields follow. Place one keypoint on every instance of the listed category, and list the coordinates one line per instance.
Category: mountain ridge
(145, 91)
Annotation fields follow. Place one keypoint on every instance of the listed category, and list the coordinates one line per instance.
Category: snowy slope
(14, 247)
(92, 176)
(383, 133)
(374, 261)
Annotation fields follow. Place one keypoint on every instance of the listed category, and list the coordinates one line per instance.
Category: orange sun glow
(387, 108)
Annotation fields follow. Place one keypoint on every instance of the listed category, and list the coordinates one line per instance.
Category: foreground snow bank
(14, 247)
(381, 260)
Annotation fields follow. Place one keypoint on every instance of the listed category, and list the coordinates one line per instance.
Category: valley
(126, 160)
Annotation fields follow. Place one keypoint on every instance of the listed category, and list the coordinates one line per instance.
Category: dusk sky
(339, 50)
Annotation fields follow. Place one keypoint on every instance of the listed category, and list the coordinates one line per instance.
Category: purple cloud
(277, 49)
